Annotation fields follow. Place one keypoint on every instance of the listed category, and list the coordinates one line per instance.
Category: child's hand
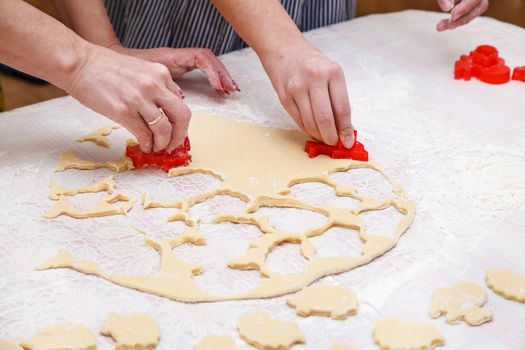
(463, 12)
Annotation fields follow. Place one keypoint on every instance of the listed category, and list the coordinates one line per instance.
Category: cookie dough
(266, 333)
(69, 160)
(8, 345)
(99, 136)
(464, 302)
(342, 347)
(324, 300)
(395, 334)
(249, 176)
(62, 336)
(508, 284)
(106, 185)
(132, 332)
(214, 342)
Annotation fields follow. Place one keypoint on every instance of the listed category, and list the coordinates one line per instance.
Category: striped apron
(145, 24)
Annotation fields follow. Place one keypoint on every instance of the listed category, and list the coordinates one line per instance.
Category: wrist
(72, 66)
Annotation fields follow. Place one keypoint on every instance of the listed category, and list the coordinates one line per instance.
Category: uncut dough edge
(180, 286)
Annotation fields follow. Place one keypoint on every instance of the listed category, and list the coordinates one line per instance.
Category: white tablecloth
(457, 147)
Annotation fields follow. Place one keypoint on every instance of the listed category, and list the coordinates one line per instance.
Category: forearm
(37, 44)
(89, 19)
(274, 31)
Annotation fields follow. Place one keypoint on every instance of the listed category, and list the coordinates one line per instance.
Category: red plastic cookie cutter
(356, 152)
(519, 74)
(160, 160)
(483, 63)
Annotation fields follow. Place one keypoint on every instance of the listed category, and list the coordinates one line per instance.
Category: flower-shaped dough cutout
(132, 332)
(324, 300)
(395, 334)
(266, 333)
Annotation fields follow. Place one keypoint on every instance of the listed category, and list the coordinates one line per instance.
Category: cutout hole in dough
(368, 182)
(166, 189)
(322, 195)
(381, 222)
(292, 220)
(215, 206)
(224, 243)
(286, 258)
(338, 242)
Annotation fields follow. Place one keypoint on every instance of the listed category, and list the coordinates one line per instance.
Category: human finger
(446, 5)
(476, 12)
(138, 127)
(228, 83)
(303, 103)
(323, 114)
(159, 125)
(179, 115)
(341, 110)
(463, 8)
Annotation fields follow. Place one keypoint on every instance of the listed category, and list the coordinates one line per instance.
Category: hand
(312, 89)
(180, 61)
(130, 91)
(463, 12)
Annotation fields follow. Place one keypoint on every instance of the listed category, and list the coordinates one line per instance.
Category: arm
(90, 20)
(310, 86)
(127, 90)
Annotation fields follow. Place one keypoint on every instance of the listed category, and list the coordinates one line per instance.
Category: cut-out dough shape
(271, 153)
(106, 185)
(342, 347)
(464, 301)
(9, 345)
(69, 160)
(507, 284)
(395, 334)
(214, 342)
(132, 332)
(324, 300)
(266, 333)
(62, 336)
(99, 136)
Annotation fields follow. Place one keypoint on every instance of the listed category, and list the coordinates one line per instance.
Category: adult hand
(180, 61)
(132, 92)
(463, 12)
(312, 88)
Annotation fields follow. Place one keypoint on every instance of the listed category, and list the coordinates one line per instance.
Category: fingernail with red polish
(181, 94)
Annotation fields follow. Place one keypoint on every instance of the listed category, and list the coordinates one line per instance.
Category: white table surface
(457, 147)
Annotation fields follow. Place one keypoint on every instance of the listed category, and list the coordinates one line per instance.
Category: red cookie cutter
(160, 160)
(356, 152)
(519, 74)
(483, 63)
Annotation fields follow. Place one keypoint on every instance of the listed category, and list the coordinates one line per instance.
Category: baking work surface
(456, 147)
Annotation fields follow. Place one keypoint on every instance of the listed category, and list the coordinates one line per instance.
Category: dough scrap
(395, 334)
(106, 185)
(266, 333)
(276, 153)
(342, 347)
(72, 336)
(69, 160)
(324, 300)
(105, 207)
(132, 332)
(508, 284)
(464, 302)
(9, 345)
(99, 136)
(214, 342)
